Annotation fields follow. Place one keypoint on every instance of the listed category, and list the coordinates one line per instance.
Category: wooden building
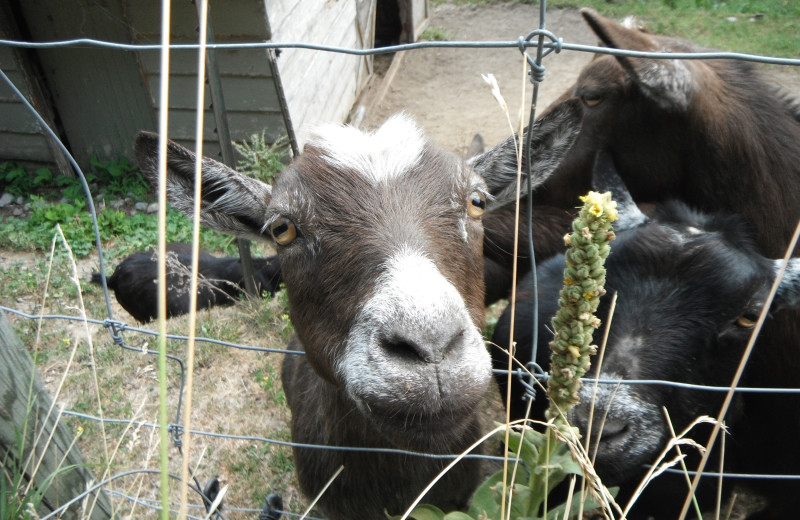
(98, 98)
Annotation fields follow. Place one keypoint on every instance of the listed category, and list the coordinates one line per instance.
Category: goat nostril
(406, 349)
(612, 429)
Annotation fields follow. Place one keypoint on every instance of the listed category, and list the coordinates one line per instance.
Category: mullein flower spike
(584, 278)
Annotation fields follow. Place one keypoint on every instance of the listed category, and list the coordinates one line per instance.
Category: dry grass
(236, 392)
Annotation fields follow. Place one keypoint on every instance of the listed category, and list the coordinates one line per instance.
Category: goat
(380, 239)
(221, 281)
(712, 133)
(690, 286)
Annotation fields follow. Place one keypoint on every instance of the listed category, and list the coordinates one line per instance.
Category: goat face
(385, 274)
(689, 290)
(379, 238)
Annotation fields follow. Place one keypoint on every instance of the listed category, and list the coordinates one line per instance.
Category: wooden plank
(242, 125)
(241, 94)
(234, 20)
(16, 118)
(99, 94)
(23, 417)
(312, 79)
(26, 77)
(419, 17)
(243, 62)
(24, 148)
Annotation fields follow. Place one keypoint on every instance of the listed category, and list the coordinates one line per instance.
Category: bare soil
(443, 90)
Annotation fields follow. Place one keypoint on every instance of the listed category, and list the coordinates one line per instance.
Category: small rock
(6, 199)
(140, 206)
(152, 208)
(731, 18)
(20, 200)
(18, 212)
(116, 204)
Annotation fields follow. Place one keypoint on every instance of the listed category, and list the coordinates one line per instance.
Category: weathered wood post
(27, 433)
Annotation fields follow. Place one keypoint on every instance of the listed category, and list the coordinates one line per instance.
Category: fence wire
(541, 40)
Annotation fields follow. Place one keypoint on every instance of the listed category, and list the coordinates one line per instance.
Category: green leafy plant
(119, 178)
(434, 34)
(260, 159)
(17, 181)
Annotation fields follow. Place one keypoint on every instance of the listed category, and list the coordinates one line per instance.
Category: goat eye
(283, 231)
(477, 204)
(746, 321)
(592, 100)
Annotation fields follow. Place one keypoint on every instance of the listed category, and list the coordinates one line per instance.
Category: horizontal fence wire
(117, 328)
(556, 46)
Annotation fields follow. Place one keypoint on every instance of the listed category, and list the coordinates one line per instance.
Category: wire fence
(541, 40)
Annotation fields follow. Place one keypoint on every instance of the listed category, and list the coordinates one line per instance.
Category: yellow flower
(589, 295)
(596, 209)
(575, 351)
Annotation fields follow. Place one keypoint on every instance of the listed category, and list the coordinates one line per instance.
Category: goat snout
(626, 425)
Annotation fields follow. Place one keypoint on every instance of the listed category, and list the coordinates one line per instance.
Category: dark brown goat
(711, 133)
(381, 243)
(221, 281)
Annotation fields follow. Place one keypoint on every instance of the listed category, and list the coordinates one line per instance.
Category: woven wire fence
(539, 42)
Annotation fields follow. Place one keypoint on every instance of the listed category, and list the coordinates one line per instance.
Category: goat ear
(788, 295)
(667, 82)
(552, 137)
(606, 178)
(231, 202)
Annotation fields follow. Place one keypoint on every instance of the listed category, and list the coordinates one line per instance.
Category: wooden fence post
(24, 403)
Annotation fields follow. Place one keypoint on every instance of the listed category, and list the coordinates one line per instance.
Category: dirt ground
(443, 89)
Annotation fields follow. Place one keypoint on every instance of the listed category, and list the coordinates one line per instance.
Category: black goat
(221, 281)
(690, 288)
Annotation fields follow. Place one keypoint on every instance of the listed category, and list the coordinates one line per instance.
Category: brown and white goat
(380, 241)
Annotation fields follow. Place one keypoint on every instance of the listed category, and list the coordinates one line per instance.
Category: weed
(267, 379)
(260, 159)
(14, 179)
(434, 34)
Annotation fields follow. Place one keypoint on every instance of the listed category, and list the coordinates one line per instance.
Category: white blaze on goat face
(386, 153)
(413, 307)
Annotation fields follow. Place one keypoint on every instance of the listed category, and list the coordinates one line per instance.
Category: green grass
(434, 34)
(705, 22)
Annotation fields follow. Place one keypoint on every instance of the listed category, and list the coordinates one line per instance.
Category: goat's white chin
(409, 427)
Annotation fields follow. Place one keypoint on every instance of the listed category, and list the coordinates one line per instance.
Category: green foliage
(260, 159)
(124, 233)
(434, 34)
(118, 178)
(269, 381)
(766, 27)
(544, 463)
(115, 178)
(14, 179)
